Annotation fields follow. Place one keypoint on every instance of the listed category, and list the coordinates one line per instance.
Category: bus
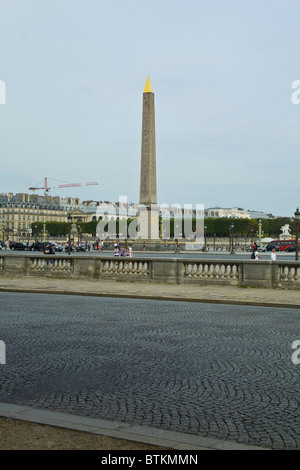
(280, 245)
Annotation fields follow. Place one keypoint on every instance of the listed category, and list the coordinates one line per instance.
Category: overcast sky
(227, 131)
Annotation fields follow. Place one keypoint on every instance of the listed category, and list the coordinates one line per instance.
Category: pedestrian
(273, 255)
(123, 251)
(48, 250)
(257, 255)
(254, 254)
(130, 251)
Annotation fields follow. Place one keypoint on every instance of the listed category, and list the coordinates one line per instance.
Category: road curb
(119, 430)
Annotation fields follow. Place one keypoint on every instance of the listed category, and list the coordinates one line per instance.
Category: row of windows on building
(33, 218)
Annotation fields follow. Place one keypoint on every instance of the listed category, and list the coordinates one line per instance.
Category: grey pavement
(187, 375)
(183, 292)
(222, 255)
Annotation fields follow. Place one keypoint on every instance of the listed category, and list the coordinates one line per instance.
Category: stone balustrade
(252, 273)
(289, 274)
(222, 271)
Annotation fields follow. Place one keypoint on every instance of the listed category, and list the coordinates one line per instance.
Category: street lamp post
(2, 233)
(260, 231)
(205, 229)
(79, 237)
(231, 239)
(251, 234)
(69, 233)
(44, 232)
(297, 218)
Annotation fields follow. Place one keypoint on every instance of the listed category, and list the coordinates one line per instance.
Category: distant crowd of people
(122, 250)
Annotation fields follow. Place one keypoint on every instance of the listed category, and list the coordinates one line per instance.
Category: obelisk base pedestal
(148, 221)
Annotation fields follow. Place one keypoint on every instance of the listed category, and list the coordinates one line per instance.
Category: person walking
(273, 255)
(257, 255)
(48, 250)
(123, 250)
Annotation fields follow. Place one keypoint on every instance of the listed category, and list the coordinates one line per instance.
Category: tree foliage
(218, 227)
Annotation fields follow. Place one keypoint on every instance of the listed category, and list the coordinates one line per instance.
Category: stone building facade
(19, 211)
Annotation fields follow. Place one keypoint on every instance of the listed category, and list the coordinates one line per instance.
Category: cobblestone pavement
(214, 370)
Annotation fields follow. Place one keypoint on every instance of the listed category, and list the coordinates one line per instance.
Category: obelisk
(148, 155)
(149, 212)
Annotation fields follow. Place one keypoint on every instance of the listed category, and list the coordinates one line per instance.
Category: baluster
(199, 270)
(188, 269)
(105, 267)
(194, 270)
(144, 269)
(283, 273)
(209, 270)
(290, 273)
(134, 268)
(237, 272)
(226, 271)
(215, 271)
(111, 267)
(140, 268)
(119, 267)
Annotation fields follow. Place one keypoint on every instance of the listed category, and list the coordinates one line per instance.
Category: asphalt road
(167, 254)
(211, 370)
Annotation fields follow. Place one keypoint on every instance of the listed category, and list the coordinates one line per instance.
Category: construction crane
(47, 188)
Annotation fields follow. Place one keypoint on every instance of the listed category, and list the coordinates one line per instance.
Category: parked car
(72, 248)
(56, 246)
(38, 246)
(80, 248)
(271, 246)
(20, 246)
(292, 248)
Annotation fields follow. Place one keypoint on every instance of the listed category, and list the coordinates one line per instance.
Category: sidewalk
(143, 290)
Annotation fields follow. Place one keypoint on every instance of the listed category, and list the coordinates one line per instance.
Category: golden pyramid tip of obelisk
(148, 87)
